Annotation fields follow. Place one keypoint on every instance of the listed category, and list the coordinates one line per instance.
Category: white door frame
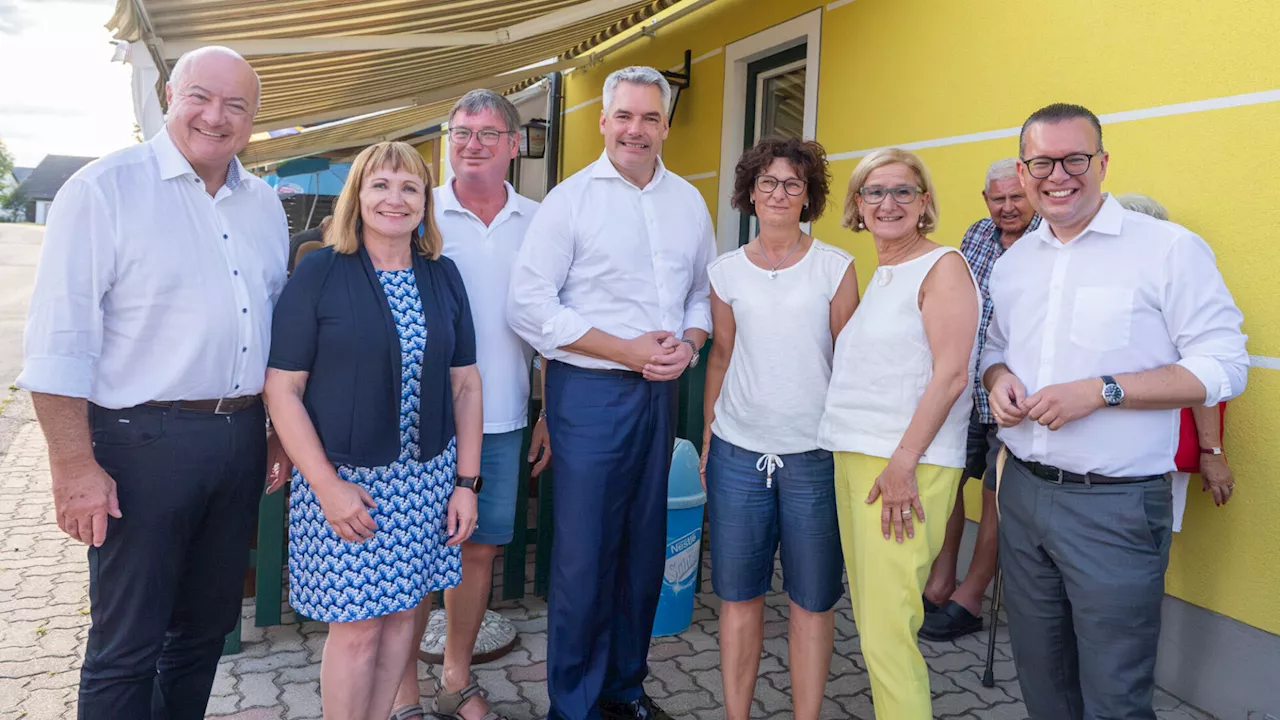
(806, 29)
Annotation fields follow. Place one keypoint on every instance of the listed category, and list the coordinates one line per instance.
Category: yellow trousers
(886, 579)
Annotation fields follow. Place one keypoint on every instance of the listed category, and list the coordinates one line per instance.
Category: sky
(60, 94)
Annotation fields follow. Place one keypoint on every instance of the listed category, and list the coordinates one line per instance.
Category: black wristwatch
(471, 483)
(1112, 393)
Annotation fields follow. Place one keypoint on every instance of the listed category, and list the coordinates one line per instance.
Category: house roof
(47, 178)
(326, 60)
(20, 173)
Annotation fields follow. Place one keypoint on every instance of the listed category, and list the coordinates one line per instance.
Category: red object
(1188, 456)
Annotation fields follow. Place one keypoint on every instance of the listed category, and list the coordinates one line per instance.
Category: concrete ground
(44, 619)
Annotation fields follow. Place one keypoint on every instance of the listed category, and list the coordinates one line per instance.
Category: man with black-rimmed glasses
(1105, 323)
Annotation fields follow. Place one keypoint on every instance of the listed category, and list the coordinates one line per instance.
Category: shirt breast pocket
(1102, 317)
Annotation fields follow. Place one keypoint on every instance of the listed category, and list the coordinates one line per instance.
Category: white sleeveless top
(882, 366)
(776, 383)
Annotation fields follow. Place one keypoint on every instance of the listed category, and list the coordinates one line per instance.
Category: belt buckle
(1061, 476)
(217, 409)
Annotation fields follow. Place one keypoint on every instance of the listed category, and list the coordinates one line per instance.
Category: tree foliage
(10, 202)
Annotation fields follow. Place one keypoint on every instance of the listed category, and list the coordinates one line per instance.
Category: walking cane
(988, 677)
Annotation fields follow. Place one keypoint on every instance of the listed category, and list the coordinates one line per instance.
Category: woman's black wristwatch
(471, 483)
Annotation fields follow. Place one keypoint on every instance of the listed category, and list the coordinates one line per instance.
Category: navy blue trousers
(613, 434)
(165, 587)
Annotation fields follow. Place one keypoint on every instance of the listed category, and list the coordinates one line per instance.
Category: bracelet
(916, 452)
(542, 413)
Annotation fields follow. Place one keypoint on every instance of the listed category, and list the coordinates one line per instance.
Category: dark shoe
(950, 622)
(929, 607)
(643, 709)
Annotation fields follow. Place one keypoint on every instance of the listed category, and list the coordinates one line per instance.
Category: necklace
(773, 269)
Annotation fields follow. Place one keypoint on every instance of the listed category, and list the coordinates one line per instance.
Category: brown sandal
(445, 705)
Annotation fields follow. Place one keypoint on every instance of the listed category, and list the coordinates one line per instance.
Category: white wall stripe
(1262, 361)
(1231, 101)
(837, 4)
(581, 105)
(700, 58)
(700, 176)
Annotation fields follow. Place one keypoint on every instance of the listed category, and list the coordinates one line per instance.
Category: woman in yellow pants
(896, 415)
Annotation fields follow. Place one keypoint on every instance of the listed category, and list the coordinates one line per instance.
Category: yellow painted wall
(914, 70)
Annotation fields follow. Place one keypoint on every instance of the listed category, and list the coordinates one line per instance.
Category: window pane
(783, 111)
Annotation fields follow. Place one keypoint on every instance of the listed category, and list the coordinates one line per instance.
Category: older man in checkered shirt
(951, 611)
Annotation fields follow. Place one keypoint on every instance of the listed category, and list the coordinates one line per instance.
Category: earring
(861, 226)
(753, 201)
(920, 224)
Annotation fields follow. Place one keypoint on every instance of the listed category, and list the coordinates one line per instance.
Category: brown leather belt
(225, 406)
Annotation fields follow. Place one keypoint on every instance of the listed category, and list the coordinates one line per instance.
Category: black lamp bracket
(679, 81)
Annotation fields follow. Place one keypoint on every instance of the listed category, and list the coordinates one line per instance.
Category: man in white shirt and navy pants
(146, 349)
(611, 285)
(1106, 322)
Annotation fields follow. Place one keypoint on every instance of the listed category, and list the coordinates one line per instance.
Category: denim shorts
(500, 468)
(749, 520)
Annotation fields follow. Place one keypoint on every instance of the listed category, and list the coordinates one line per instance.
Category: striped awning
(326, 60)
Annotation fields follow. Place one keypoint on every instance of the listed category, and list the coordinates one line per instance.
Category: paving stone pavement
(44, 618)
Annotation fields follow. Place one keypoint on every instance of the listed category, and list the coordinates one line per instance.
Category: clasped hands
(1053, 406)
(659, 355)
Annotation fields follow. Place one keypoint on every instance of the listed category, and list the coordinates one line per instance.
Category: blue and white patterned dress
(333, 580)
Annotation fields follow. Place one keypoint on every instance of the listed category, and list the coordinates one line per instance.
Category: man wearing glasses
(611, 285)
(483, 221)
(1106, 322)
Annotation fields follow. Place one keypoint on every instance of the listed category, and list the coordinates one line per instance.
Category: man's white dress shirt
(150, 289)
(1131, 293)
(602, 253)
(485, 255)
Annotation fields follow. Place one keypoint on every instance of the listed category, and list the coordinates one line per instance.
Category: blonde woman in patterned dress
(372, 368)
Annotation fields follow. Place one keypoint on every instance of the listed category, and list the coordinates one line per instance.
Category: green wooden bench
(267, 561)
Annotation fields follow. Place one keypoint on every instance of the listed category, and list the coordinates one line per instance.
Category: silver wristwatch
(693, 361)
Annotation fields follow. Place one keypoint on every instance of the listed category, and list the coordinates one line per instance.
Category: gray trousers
(1083, 583)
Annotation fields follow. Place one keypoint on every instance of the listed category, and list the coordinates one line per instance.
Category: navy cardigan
(333, 321)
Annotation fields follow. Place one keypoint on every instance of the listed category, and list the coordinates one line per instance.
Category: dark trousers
(1083, 584)
(165, 587)
(613, 436)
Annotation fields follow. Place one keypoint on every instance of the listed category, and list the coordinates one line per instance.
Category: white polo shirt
(484, 256)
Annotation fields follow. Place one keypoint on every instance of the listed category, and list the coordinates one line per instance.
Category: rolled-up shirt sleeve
(1203, 320)
(534, 310)
(697, 304)
(63, 338)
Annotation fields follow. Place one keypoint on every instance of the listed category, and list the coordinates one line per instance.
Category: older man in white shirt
(1106, 322)
(611, 285)
(146, 349)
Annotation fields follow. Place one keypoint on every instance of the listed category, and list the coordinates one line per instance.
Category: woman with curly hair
(777, 304)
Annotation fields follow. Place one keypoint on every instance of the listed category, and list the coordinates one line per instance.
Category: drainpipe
(555, 102)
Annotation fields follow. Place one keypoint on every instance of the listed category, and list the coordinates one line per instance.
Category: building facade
(1189, 94)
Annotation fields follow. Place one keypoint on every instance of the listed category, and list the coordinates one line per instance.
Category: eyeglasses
(1074, 164)
(768, 183)
(488, 138)
(902, 194)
